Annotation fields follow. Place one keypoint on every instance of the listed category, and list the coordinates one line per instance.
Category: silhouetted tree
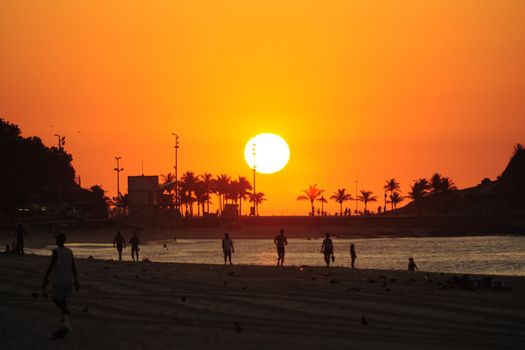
(395, 199)
(222, 184)
(311, 194)
(189, 182)
(208, 184)
(340, 197)
(366, 197)
(419, 189)
(392, 185)
(322, 200)
(258, 198)
(243, 189)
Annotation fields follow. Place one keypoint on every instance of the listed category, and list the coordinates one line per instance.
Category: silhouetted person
(280, 242)
(353, 255)
(328, 250)
(227, 248)
(20, 234)
(135, 241)
(64, 275)
(412, 265)
(120, 243)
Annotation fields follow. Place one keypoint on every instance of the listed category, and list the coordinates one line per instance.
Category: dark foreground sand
(172, 306)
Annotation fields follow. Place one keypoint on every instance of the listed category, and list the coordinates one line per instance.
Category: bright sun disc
(271, 153)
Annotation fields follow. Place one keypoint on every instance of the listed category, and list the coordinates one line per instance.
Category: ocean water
(499, 255)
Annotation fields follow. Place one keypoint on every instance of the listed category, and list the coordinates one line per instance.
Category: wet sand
(154, 305)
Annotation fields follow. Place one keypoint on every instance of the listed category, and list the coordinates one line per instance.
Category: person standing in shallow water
(412, 265)
(120, 243)
(64, 275)
(353, 255)
(280, 243)
(20, 234)
(227, 248)
(328, 250)
(135, 241)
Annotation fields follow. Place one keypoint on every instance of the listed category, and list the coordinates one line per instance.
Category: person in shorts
(227, 248)
(328, 249)
(280, 243)
(64, 276)
(135, 242)
(120, 243)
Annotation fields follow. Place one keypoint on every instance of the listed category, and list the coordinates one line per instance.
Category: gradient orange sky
(361, 90)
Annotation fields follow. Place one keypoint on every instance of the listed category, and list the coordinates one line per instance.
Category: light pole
(384, 208)
(61, 144)
(175, 167)
(255, 209)
(118, 169)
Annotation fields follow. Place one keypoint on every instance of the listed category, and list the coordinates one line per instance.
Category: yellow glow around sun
(271, 153)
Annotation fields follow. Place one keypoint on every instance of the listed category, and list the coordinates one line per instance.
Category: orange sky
(364, 90)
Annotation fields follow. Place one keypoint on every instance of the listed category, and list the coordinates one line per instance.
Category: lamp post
(118, 169)
(61, 144)
(384, 208)
(175, 167)
(255, 209)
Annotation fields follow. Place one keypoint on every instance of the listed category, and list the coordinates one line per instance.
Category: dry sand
(157, 306)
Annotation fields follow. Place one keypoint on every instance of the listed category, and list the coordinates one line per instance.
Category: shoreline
(153, 305)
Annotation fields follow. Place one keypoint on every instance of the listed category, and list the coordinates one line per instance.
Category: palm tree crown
(340, 196)
(311, 194)
(366, 197)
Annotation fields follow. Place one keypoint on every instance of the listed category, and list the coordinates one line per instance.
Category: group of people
(65, 275)
(120, 243)
(280, 242)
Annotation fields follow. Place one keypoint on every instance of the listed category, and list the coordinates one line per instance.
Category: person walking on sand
(227, 248)
(64, 277)
(412, 265)
(120, 243)
(328, 250)
(20, 234)
(135, 241)
(353, 255)
(280, 242)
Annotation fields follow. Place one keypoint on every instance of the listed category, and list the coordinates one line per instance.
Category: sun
(271, 153)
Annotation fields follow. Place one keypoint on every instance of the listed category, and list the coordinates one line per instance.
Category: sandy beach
(155, 305)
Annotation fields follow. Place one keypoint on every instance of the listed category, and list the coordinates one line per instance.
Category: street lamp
(61, 141)
(175, 167)
(118, 169)
(61, 144)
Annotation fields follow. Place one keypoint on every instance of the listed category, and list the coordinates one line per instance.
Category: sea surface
(498, 255)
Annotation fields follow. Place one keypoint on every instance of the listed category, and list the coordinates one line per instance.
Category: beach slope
(152, 306)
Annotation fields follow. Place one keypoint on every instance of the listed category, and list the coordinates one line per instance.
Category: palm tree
(419, 189)
(168, 186)
(340, 197)
(208, 184)
(365, 197)
(311, 194)
(323, 201)
(243, 189)
(392, 185)
(222, 184)
(435, 184)
(189, 183)
(201, 196)
(258, 199)
(395, 199)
